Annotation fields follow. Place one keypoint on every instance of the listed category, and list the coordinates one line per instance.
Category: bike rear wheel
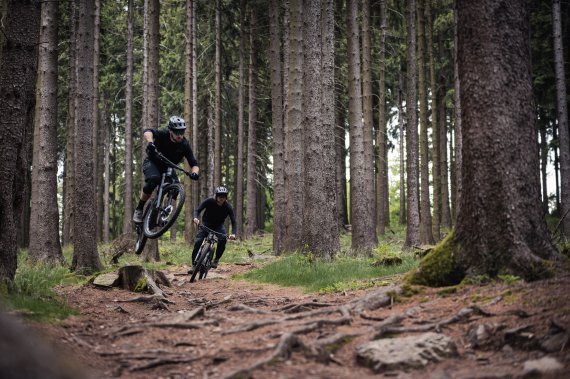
(164, 211)
(200, 265)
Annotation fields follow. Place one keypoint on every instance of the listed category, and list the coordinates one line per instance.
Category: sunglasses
(178, 132)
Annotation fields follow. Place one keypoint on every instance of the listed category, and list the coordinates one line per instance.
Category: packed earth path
(222, 327)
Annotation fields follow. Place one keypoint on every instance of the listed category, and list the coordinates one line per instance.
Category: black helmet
(177, 124)
(221, 191)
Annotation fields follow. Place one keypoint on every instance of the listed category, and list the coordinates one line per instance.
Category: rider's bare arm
(148, 136)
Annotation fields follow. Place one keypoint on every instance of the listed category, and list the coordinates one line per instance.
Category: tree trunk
(362, 218)
(44, 217)
(445, 206)
(240, 133)
(251, 226)
(69, 172)
(413, 218)
(426, 236)
(457, 172)
(189, 77)
(217, 101)
(382, 205)
(96, 127)
(151, 252)
(543, 164)
(320, 231)
(402, 217)
(18, 63)
(105, 128)
(85, 256)
(368, 127)
(505, 232)
(294, 131)
(195, 186)
(128, 196)
(562, 114)
(279, 198)
(436, 225)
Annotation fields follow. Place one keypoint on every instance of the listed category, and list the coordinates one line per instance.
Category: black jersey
(215, 215)
(173, 151)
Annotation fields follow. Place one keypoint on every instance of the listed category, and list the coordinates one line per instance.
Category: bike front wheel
(140, 242)
(164, 211)
(200, 265)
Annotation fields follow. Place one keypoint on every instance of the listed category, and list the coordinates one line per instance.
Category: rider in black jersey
(172, 144)
(216, 210)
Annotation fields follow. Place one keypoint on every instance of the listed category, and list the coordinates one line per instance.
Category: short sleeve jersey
(173, 151)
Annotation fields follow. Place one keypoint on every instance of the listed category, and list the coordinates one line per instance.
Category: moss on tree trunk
(438, 268)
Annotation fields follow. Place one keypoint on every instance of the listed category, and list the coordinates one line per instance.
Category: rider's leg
(152, 178)
(221, 243)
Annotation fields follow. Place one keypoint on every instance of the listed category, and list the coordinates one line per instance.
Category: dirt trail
(223, 328)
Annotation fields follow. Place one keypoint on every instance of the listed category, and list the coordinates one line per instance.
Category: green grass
(33, 293)
(317, 276)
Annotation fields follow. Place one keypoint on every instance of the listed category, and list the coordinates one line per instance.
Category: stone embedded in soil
(110, 279)
(406, 352)
(545, 365)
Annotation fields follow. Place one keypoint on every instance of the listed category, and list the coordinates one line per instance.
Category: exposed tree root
(252, 326)
(287, 344)
(246, 308)
(388, 327)
(186, 325)
(294, 308)
(163, 361)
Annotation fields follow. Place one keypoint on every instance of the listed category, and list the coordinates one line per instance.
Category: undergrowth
(33, 293)
(313, 275)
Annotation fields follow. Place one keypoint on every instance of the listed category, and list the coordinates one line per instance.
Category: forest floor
(221, 327)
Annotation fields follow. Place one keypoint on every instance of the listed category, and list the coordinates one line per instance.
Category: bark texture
(85, 255)
(426, 236)
(562, 102)
(279, 198)
(294, 144)
(412, 171)
(18, 64)
(240, 131)
(500, 226)
(361, 171)
(320, 228)
(128, 197)
(44, 219)
(252, 225)
(151, 100)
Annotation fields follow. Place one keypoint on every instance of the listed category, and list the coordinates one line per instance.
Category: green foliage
(33, 290)
(314, 275)
(509, 279)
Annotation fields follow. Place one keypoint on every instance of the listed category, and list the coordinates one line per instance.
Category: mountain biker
(173, 146)
(216, 210)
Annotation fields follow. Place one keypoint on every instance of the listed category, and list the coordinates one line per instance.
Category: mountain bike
(161, 212)
(205, 255)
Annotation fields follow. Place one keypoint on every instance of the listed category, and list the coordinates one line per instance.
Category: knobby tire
(140, 242)
(199, 266)
(150, 219)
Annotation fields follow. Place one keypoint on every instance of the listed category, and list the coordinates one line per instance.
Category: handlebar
(226, 236)
(169, 163)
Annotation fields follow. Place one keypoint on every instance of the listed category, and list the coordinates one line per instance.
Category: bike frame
(210, 243)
